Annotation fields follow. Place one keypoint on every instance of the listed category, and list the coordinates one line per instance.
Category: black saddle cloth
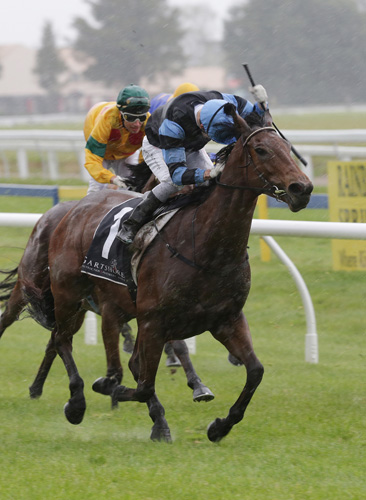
(108, 258)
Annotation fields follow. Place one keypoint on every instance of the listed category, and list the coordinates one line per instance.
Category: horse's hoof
(74, 416)
(203, 393)
(104, 385)
(128, 345)
(161, 435)
(217, 430)
(172, 360)
(34, 394)
(234, 361)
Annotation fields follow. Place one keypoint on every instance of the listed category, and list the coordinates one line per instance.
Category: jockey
(176, 134)
(114, 132)
(161, 99)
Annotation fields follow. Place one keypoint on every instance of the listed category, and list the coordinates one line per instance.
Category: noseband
(273, 189)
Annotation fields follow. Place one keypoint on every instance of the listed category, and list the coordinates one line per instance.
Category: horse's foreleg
(237, 339)
(143, 365)
(200, 391)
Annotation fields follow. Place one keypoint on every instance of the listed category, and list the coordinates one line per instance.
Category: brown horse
(175, 299)
(28, 287)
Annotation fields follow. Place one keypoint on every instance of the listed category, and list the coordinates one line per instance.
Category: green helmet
(133, 99)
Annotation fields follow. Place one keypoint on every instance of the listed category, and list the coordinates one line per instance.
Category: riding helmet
(133, 99)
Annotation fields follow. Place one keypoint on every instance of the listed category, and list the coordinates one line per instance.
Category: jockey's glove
(260, 94)
(216, 170)
(120, 182)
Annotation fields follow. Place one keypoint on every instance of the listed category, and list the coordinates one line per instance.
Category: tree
(130, 39)
(49, 65)
(303, 52)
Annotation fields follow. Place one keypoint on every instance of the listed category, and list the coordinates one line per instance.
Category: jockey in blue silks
(173, 147)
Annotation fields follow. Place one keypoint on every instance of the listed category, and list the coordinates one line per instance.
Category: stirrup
(126, 236)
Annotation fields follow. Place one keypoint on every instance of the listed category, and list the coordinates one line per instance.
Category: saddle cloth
(108, 258)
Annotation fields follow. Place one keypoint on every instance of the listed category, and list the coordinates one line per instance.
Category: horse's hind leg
(200, 391)
(110, 331)
(235, 336)
(75, 408)
(69, 316)
(128, 340)
(36, 389)
(172, 360)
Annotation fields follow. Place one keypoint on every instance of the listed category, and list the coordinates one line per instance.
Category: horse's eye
(260, 151)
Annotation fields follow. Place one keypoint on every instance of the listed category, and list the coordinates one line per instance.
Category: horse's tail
(8, 283)
(40, 304)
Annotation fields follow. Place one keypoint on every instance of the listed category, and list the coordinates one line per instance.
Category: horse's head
(261, 162)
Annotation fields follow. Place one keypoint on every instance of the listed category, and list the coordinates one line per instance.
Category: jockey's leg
(142, 213)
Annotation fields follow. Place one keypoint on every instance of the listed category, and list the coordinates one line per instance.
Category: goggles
(130, 117)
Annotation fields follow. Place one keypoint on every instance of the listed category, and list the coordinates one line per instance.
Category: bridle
(273, 190)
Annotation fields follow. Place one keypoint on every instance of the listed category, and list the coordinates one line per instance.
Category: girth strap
(175, 253)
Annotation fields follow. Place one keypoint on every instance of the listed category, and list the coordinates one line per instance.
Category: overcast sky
(23, 24)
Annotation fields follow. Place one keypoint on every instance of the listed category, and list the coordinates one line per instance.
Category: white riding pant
(118, 167)
(154, 158)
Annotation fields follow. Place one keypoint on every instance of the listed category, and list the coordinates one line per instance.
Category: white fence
(264, 227)
(49, 143)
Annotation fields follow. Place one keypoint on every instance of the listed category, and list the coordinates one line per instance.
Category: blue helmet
(218, 125)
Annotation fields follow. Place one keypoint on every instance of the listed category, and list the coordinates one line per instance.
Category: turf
(303, 436)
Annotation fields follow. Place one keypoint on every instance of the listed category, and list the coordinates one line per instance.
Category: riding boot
(139, 215)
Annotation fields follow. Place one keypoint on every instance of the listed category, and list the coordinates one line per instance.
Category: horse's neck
(226, 218)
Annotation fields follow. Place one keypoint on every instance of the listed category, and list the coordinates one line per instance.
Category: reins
(273, 190)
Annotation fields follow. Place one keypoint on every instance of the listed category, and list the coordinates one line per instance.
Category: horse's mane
(254, 120)
(197, 196)
(223, 154)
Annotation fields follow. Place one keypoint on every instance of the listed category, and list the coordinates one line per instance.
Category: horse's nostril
(296, 188)
(300, 188)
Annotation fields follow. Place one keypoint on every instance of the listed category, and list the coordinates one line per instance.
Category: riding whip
(295, 152)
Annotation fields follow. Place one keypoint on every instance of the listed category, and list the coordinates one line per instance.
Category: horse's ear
(241, 126)
(267, 119)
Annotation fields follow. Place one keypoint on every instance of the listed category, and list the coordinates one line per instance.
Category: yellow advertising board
(347, 203)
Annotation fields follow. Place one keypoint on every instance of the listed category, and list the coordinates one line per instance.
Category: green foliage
(49, 65)
(130, 40)
(303, 434)
(303, 52)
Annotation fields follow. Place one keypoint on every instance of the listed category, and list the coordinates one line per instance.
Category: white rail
(308, 142)
(309, 229)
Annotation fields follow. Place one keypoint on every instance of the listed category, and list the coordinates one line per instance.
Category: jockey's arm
(95, 149)
(175, 159)
(94, 165)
